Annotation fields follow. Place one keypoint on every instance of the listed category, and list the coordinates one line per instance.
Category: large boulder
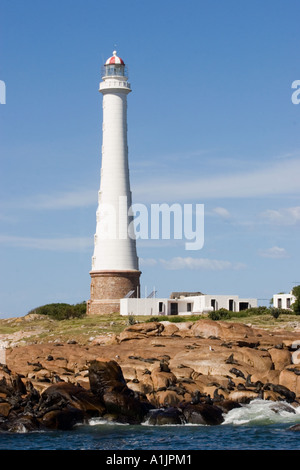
(284, 392)
(12, 384)
(203, 413)
(62, 419)
(162, 379)
(206, 328)
(107, 382)
(75, 396)
(280, 357)
(295, 427)
(165, 416)
(165, 398)
(290, 378)
(140, 331)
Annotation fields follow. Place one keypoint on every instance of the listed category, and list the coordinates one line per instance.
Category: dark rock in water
(108, 383)
(296, 427)
(202, 413)
(27, 422)
(165, 416)
(23, 423)
(228, 405)
(62, 405)
(280, 406)
(62, 419)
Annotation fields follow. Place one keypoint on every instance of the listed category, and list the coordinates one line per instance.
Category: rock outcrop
(160, 372)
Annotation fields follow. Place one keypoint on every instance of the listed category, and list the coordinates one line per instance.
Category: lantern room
(114, 67)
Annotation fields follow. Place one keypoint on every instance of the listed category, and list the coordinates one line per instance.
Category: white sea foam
(260, 412)
(257, 412)
(99, 421)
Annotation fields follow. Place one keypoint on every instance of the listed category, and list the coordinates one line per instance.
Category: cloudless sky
(210, 121)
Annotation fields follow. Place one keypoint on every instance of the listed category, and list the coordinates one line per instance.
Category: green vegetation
(61, 311)
(296, 304)
(224, 314)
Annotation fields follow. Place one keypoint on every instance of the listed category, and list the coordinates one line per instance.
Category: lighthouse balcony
(112, 83)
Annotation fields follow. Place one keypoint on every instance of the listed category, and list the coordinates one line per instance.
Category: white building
(184, 305)
(283, 300)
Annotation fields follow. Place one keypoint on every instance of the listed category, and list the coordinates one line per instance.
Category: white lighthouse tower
(115, 267)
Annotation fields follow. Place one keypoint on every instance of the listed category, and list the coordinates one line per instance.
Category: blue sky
(210, 121)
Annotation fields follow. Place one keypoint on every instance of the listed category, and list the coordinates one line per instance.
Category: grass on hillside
(82, 329)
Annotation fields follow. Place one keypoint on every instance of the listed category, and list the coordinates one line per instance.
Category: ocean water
(261, 425)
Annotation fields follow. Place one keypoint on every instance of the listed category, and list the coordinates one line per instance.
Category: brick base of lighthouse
(108, 287)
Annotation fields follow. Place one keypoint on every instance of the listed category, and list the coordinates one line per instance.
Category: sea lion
(231, 360)
(237, 373)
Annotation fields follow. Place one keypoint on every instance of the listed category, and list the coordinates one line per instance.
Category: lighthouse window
(114, 70)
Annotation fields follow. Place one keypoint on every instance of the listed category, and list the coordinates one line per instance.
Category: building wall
(229, 302)
(107, 288)
(283, 300)
(143, 306)
(185, 305)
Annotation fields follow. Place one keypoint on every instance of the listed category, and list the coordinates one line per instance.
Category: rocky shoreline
(155, 372)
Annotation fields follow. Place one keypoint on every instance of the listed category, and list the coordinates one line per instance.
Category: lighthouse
(115, 266)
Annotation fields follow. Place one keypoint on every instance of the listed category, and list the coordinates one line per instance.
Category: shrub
(220, 314)
(61, 311)
(285, 311)
(275, 312)
(296, 304)
(158, 319)
(257, 310)
(131, 320)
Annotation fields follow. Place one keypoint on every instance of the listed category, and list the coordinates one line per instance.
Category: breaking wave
(99, 421)
(257, 413)
(263, 412)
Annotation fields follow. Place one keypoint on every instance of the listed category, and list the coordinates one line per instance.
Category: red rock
(280, 358)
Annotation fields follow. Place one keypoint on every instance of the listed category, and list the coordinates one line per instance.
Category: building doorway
(174, 308)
